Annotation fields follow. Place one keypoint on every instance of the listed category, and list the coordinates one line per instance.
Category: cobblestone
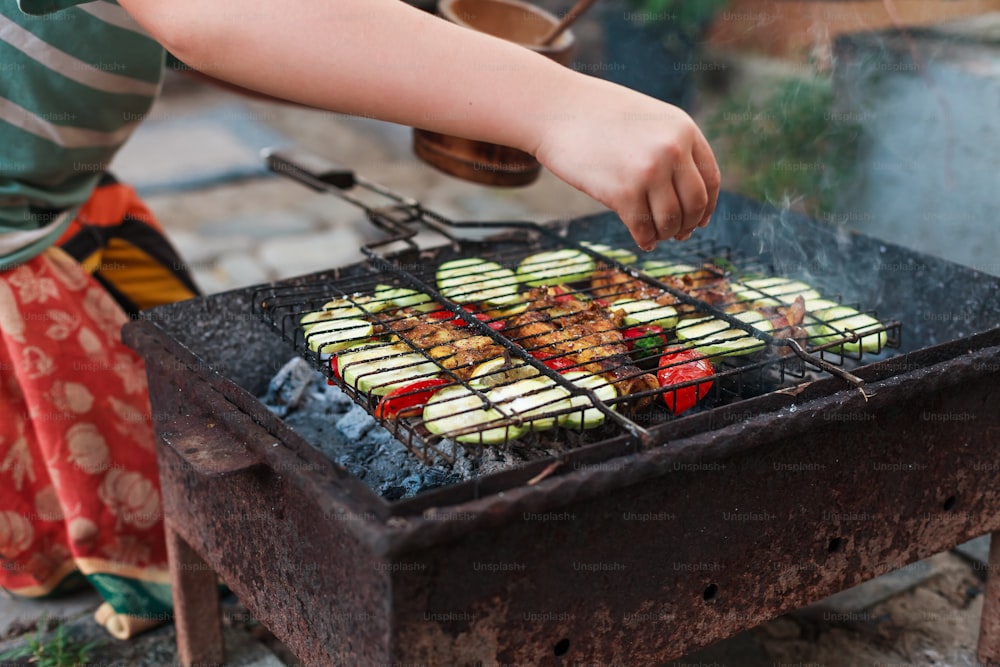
(238, 268)
(290, 256)
(263, 225)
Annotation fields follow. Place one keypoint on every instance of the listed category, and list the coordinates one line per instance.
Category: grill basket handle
(309, 169)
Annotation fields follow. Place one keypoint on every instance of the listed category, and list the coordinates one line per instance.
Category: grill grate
(496, 340)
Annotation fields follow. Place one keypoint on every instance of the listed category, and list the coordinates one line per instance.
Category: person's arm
(382, 58)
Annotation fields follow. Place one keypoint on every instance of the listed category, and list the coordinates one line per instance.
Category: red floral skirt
(79, 487)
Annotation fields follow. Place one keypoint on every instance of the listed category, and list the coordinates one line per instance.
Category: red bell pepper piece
(677, 366)
(449, 317)
(647, 340)
(408, 400)
(562, 295)
(555, 363)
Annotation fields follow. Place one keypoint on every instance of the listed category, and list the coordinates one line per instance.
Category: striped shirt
(75, 79)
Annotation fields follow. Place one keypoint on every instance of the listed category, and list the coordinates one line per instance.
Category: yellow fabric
(140, 277)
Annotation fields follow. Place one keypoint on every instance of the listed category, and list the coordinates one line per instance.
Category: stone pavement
(238, 233)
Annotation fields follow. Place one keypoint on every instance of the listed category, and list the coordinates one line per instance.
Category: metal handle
(308, 168)
(209, 454)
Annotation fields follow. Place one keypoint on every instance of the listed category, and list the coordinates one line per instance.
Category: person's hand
(642, 158)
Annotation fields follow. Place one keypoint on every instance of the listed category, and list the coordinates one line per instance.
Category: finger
(666, 210)
(704, 159)
(692, 195)
(639, 222)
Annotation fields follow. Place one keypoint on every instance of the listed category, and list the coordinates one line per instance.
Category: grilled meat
(708, 284)
(454, 348)
(583, 333)
(787, 321)
(612, 285)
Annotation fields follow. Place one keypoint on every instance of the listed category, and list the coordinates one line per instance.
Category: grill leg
(197, 616)
(989, 625)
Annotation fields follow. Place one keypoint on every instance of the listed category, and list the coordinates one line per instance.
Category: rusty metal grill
(780, 361)
(914, 452)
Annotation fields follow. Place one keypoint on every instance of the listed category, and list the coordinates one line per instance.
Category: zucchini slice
(657, 269)
(764, 292)
(815, 305)
(618, 254)
(844, 321)
(590, 417)
(639, 312)
(474, 280)
(714, 337)
(555, 267)
(498, 371)
(378, 369)
(403, 297)
(531, 399)
(357, 307)
(334, 335)
(456, 407)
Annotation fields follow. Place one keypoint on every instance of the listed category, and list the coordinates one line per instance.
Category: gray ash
(342, 430)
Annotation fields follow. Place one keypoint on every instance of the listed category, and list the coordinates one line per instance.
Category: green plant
(792, 146)
(683, 12)
(57, 650)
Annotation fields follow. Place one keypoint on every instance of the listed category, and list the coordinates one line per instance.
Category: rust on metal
(204, 450)
(621, 555)
(633, 560)
(196, 605)
(989, 626)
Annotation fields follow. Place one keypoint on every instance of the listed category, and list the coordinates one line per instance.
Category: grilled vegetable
(815, 305)
(555, 267)
(447, 316)
(640, 312)
(341, 309)
(583, 333)
(618, 254)
(456, 408)
(556, 363)
(773, 291)
(677, 366)
(591, 417)
(381, 368)
(408, 400)
(501, 371)
(531, 399)
(658, 269)
(645, 341)
(475, 280)
(715, 337)
(843, 322)
(335, 335)
(403, 297)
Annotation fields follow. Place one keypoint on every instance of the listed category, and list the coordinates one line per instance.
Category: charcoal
(356, 423)
(356, 469)
(391, 491)
(345, 433)
(287, 389)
